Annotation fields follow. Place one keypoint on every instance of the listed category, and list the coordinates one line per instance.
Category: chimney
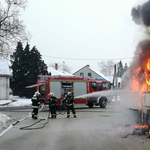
(88, 65)
(56, 66)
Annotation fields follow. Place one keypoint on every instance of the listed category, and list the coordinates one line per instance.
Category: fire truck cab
(60, 86)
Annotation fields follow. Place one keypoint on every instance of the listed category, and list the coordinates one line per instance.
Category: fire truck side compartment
(79, 88)
(55, 87)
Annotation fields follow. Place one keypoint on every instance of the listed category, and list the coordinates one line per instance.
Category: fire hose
(61, 112)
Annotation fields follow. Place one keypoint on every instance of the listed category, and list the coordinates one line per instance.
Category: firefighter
(35, 105)
(70, 104)
(52, 105)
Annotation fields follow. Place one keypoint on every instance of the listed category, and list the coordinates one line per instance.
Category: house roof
(4, 68)
(94, 70)
(97, 72)
(55, 72)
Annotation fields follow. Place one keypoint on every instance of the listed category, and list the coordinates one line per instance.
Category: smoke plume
(141, 14)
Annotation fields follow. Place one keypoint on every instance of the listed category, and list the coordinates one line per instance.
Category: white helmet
(51, 94)
(69, 93)
(37, 93)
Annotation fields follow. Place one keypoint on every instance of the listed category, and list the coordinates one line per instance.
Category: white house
(88, 72)
(4, 79)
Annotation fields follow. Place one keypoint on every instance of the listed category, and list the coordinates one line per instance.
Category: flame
(141, 78)
(141, 127)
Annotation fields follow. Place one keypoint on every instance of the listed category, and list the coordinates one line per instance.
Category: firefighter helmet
(37, 93)
(51, 94)
(69, 93)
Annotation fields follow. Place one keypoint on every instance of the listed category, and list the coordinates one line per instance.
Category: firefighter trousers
(72, 109)
(52, 108)
(34, 112)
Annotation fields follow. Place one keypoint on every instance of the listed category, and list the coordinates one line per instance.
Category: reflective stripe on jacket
(69, 100)
(52, 101)
(35, 102)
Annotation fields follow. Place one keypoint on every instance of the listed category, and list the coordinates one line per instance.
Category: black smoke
(146, 13)
(141, 14)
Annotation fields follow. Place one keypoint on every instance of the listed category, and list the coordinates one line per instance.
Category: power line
(86, 59)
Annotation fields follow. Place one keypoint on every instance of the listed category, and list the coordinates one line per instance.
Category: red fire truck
(60, 86)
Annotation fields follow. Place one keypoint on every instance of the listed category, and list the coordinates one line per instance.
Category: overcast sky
(93, 30)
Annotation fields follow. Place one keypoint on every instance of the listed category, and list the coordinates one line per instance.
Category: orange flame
(141, 83)
(141, 127)
(141, 80)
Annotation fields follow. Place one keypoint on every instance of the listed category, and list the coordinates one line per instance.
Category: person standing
(52, 105)
(70, 104)
(35, 104)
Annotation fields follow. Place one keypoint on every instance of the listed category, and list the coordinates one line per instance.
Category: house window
(81, 74)
(89, 74)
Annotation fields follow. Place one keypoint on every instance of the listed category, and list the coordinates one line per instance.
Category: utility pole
(114, 76)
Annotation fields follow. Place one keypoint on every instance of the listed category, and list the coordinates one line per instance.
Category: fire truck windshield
(105, 85)
(94, 86)
(100, 86)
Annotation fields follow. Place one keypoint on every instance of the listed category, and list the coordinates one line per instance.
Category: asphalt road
(93, 129)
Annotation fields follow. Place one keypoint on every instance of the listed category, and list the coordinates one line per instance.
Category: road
(93, 129)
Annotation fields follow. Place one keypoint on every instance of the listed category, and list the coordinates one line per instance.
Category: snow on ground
(14, 101)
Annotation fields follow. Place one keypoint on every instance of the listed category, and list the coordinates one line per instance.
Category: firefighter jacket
(35, 101)
(52, 101)
(69, 100)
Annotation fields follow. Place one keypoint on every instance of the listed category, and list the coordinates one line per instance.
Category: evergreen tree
(26, 67)
(17, 70)
(26, 63)
(37, 65)
(120, 69)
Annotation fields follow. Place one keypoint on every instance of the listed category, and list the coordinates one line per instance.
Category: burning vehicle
(138, 76)
(139, 80)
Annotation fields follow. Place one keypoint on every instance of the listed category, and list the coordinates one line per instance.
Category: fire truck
(60, 86)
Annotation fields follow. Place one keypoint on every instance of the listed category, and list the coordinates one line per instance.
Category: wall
(86, 70)
(4, 88)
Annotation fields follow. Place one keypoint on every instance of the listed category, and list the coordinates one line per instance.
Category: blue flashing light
(101, 78)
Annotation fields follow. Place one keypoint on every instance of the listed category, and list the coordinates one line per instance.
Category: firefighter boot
(54, 116)
(32, 115)
(75, 116)
(68, 115)
(35, 117)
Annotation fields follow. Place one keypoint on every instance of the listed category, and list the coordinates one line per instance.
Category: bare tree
(63, 67)
(12, 29)
(106, 67)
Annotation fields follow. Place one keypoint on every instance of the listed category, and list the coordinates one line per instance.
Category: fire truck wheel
(41, 106)
(148, 118)
(103, 102)
(90, 105)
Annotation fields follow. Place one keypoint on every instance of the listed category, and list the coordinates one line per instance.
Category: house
(88, 72)
(4, 79)
(55, 72)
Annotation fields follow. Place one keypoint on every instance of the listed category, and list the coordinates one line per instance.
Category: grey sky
(82, 29)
